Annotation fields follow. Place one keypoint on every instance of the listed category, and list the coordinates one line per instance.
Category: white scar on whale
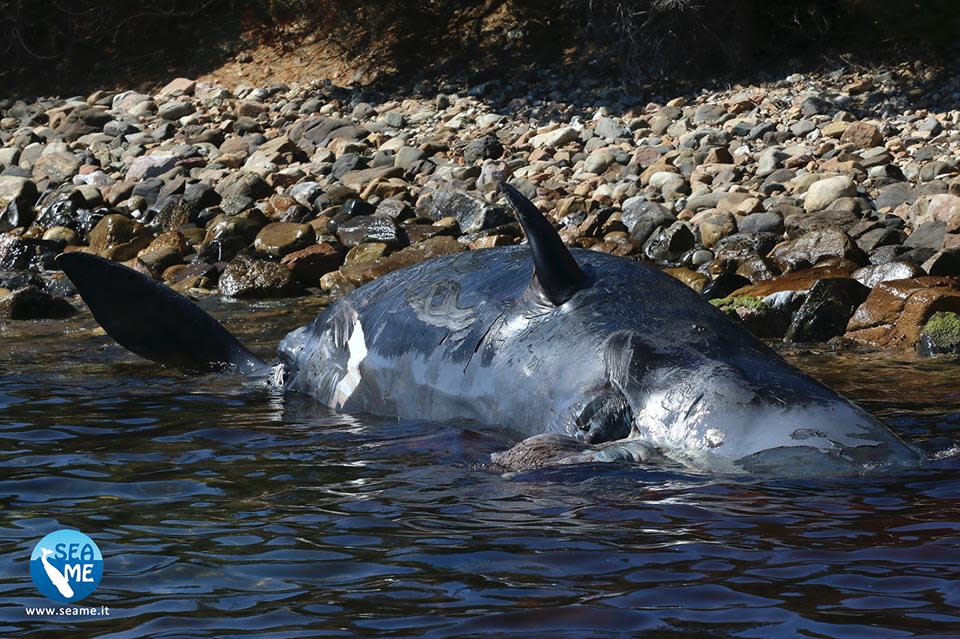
(56, 577)
(357, 348)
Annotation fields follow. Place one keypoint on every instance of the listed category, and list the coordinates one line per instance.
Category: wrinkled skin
(635, 357)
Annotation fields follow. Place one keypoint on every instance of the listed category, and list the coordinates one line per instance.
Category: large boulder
(895, 312)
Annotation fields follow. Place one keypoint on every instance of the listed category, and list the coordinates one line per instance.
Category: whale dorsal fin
(555, 269)
(152, 320)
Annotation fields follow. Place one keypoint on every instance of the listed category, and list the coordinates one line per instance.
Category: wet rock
(723, 286)
(813, 247)
(15, 215)
(670, 243)
(119, 238)
(280, 238)
(941, 334)
(472, 213)
(826, 310)
(642, 218)
(895, 311)
(757, 316)
(693, 279)
(32, 302)
(874, 274)
(18, 253)
(310, 264)
(247, 277)
(369, 228)
(360, 273)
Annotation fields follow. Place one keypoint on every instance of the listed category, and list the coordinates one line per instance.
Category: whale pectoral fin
(557, 273)
(151, 320)
(540, 451)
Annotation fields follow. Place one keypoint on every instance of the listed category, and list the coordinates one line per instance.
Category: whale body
(572, 345)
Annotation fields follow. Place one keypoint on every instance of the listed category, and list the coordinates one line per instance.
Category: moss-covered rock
(756, 315)
(941, 334)
(730, 304)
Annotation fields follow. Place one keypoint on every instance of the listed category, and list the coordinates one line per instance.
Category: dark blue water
(223, 509)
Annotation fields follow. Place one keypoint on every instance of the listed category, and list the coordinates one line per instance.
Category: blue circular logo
(66, 566)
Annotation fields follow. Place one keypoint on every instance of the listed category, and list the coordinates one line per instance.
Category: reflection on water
(223, 509)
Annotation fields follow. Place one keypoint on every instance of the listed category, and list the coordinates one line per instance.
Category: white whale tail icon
(56, 577)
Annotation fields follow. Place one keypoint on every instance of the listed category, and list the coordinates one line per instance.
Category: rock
(147, 166)
(826, 310)
(247, 277)
(362, 272)
(119, 238)
(31, 302)
(473, 214)
(17, 189)
(598, 162)
(757, 316)
(280, 238)
(762, 223)
(895, 312)
(358, 180)
(715, 227)
(872, 240)
(723, 286)
(943, 262)
(825, 192)
(557, 137)
(58, 167)
(670, 243)
(15, 215)
(693, 279)
(369, 228)
(396, 209)
(941, 334)
(310, 264)
(928, 235)
(175, 109)
(178, 87)
(945, 208)
(813, 247)
(609, 129)
(486, 148)
(893, 195)
(642, 218)
(874, 274)
(19, 253)
(862, 135)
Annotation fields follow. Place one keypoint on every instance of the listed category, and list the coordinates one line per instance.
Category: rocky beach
(818, 207)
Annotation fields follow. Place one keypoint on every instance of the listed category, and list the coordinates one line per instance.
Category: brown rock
(895, 312)
(796, 281)
(862, 135)
(310, 264)
(814, 247)
(693, 279)
(279, 238)
(119, 238)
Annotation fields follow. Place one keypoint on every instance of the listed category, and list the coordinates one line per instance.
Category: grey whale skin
(579, 350)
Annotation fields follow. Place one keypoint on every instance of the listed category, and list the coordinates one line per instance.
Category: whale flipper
(557, 272)
(152, 320)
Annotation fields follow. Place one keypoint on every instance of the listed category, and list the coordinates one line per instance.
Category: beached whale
(592, 355)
